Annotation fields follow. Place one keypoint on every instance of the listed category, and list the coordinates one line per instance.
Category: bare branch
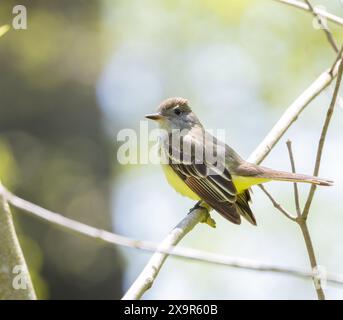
(322, 139)
(296, 192)
(303, 226)
(323, 26)
(12, 261)
(336, 63)
(291, 114)
(304, 229)
(304, 6)
(277, 205)
(151, 270)
(302, 217)
(113, 239)
(313, 261)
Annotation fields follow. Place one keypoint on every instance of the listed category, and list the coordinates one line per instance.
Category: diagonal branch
(305, 7)
(335, 64)
(146, 278)
(277, 205)
(323, 26)
(292, 112)
(15, 281)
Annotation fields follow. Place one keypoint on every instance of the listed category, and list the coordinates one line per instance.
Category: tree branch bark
(302, 223)
(295, 185)
(292, 112)
(323, 26)
(15, 281)
(313, 261)
(151, 270)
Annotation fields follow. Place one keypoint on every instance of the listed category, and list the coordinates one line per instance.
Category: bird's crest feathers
(171, 103)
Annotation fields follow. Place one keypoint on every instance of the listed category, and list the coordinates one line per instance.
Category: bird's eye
(177, 111)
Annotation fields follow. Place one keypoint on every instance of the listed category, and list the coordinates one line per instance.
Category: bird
(201, 167)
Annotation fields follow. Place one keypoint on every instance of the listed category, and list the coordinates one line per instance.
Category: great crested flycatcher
(195, 168)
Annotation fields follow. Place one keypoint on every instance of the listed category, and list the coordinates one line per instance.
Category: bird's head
(175, 113)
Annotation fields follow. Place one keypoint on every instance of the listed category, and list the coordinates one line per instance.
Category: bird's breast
(177, 183)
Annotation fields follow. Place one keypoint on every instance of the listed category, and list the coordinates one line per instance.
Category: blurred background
(84, 70)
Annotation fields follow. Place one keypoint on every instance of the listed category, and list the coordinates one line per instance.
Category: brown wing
(212, 185)
(216, 190)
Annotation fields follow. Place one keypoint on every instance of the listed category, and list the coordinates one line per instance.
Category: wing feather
(212, 185)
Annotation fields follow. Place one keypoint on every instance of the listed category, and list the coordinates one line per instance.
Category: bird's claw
(208, 219)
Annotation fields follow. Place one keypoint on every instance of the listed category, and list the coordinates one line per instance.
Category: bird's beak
(154, 116)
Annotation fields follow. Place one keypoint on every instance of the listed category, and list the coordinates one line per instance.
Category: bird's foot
(207, 219)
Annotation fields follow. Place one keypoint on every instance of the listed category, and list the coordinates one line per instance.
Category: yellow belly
(243, 183)
(177, 183)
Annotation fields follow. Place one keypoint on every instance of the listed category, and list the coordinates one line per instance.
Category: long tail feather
(293, 177)
(251, 170)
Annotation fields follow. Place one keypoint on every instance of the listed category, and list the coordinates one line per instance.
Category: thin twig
(336, 63)
(112, 239)
(295, 185)
(322, 139)
(302, 217)
(323, 26)
(277, 205)
(305, 7)
(313, 261)
(302, 220)
(304, 229)
(303, 226)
